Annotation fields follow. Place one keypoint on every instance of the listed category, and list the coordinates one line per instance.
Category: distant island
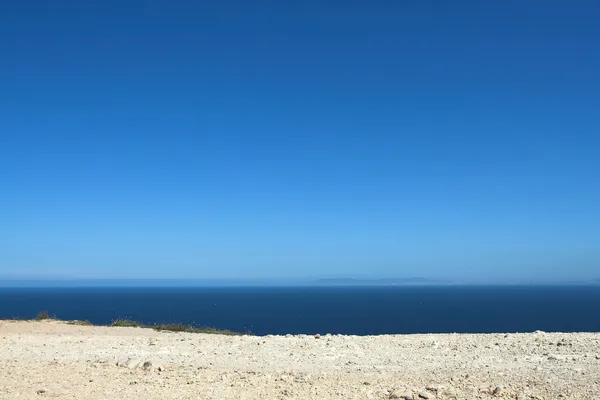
(380, 282)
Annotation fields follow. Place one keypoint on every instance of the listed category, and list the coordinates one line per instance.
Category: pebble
(434, 388)
(317, 336)
(147, 365)
(450, 392)
(131, 363)
(135, 363)
(426, 395)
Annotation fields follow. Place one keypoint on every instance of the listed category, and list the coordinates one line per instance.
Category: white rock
(434, 387)
(449, 392)
(131, 363)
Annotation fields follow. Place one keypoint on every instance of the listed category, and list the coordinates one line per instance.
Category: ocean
(309, 310)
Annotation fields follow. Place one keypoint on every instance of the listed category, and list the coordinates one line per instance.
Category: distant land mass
(382, 281)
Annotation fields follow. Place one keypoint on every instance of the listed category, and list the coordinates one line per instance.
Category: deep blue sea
(345, 310)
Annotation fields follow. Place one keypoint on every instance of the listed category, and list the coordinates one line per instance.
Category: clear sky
(280, 139)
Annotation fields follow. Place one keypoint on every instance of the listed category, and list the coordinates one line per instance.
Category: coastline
(71, 361)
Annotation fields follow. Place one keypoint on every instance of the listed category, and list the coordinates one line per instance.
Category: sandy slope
(54, 360)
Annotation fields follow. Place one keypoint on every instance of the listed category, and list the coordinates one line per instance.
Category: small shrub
(215, 331)
(193, 329)
(43, 315)
(126, 322)
(80, 323)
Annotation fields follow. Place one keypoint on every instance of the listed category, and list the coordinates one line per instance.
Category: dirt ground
(52, 359)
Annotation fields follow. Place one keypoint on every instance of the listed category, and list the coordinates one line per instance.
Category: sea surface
(344, 310)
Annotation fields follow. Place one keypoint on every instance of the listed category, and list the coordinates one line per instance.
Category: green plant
(192, 329)
(126, 322)
(80, 323)
(43, 315)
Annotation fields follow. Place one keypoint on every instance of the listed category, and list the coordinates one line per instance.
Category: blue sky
(269, 139)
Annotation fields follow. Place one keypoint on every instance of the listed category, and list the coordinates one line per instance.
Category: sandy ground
(55, 360)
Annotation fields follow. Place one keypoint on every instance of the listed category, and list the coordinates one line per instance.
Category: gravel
(56, 360)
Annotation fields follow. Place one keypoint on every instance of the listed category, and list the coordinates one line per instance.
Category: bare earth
(55, 360)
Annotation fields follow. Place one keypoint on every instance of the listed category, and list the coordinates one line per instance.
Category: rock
(521, 396)
(131, 363)
(497, 391)
(41, 391)
(449, 392)
(405, 396)
(434, 388)
(317, 336)
(135, 363)
(426, 395)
